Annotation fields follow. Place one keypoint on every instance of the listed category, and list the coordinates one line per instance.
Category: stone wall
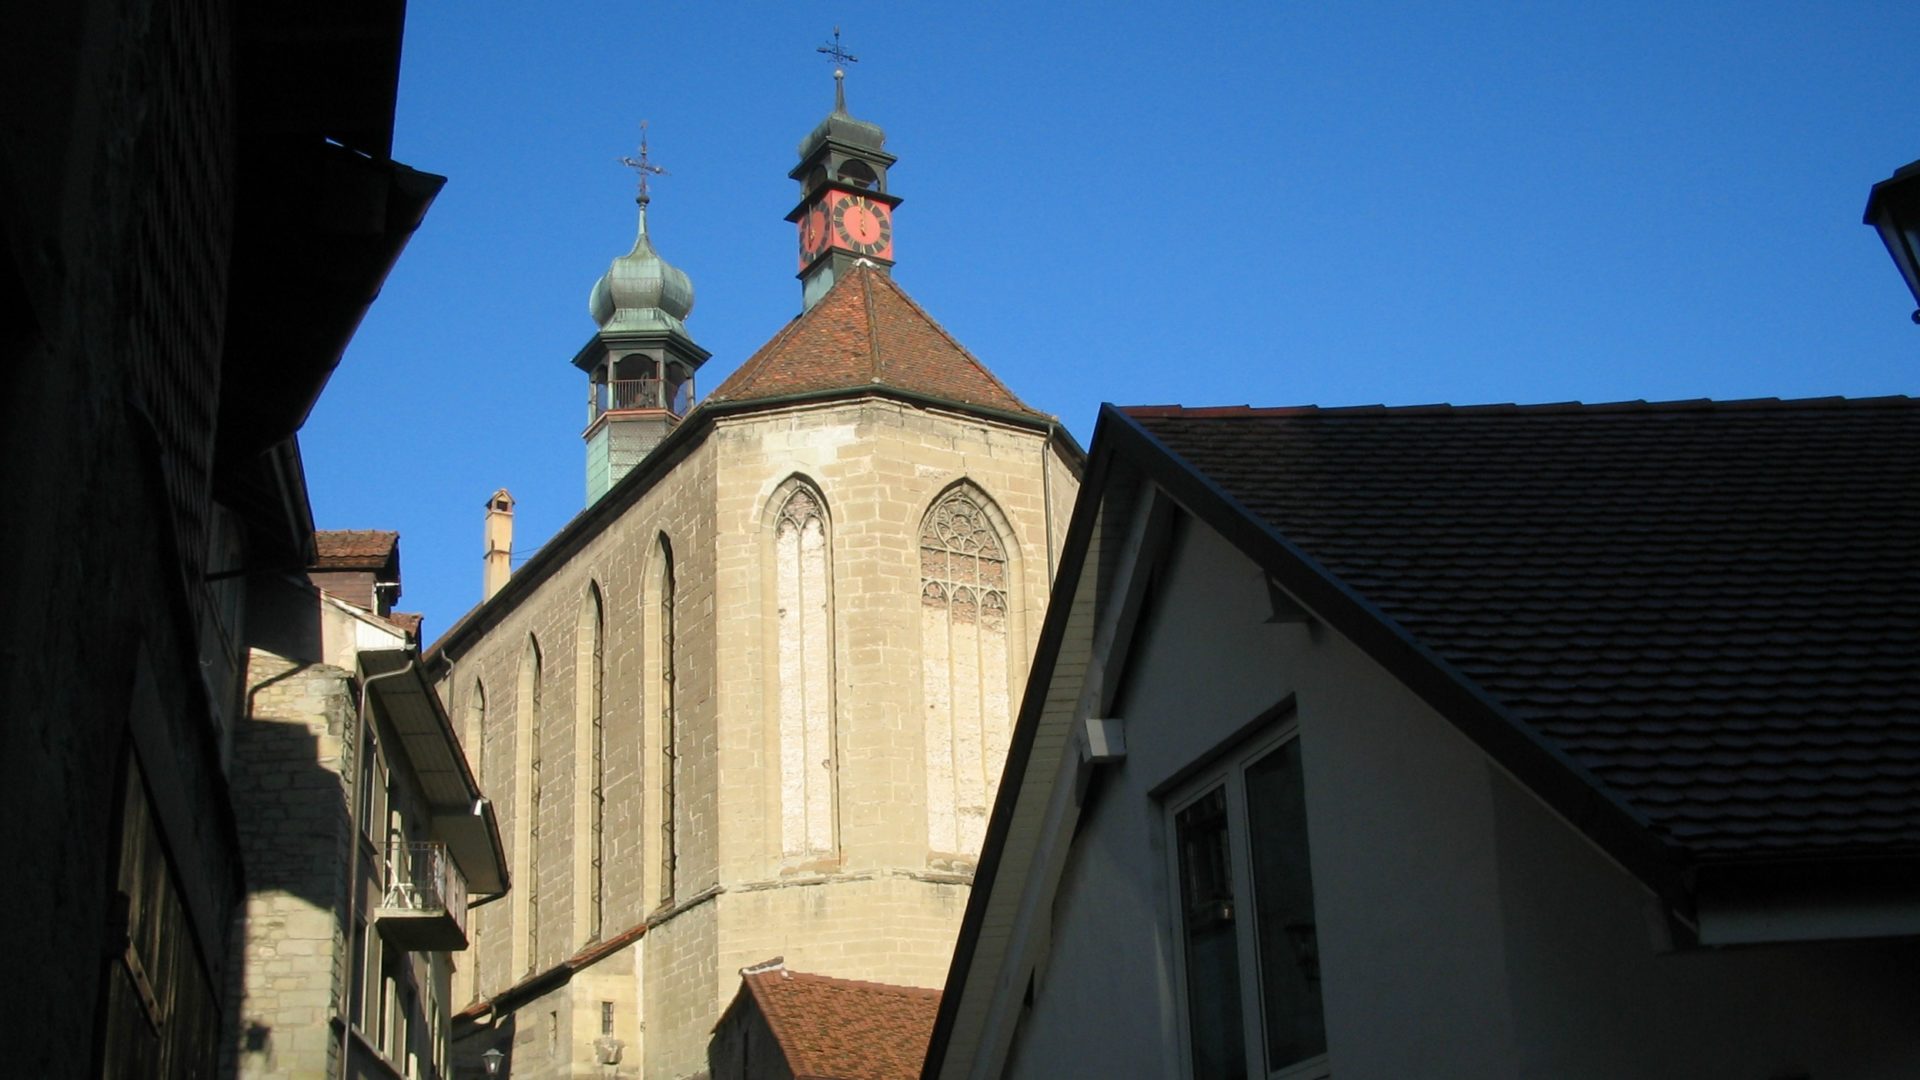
(295, 833)
(881, 903)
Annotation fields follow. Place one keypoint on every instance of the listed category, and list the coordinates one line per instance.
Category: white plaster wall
(1464, 930)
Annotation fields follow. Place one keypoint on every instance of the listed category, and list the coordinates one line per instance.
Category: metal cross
(840, 57)
(643, 166)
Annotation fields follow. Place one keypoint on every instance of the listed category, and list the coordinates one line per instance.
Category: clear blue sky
(1266, 203)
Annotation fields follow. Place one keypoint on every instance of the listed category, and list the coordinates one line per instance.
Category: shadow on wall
(470, 1044)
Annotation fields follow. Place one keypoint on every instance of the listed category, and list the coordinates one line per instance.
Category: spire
(641, 290)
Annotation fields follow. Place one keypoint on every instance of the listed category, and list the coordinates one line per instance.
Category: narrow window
(1249, 953)
(528, 792)
(804, 620)
(965, 658)
(606, 1018)
(590, 770)
(668, 724)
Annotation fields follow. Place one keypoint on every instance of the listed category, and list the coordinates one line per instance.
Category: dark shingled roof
(866, 333)
(354, 549)
(1714, 608)
(844, 1029)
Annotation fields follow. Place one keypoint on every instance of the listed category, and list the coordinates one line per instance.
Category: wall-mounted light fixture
(1893, 209)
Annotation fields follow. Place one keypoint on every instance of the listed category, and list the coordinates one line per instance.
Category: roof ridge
(1638, 405)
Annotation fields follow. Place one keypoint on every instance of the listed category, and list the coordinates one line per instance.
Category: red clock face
(862, 226)
(813, 235)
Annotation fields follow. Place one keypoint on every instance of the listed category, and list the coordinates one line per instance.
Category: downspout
(353, 863)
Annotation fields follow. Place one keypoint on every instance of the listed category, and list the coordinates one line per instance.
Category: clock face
(813, 235)
(863, 226)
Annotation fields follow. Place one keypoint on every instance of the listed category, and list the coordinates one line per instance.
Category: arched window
(527, 795)
(666, 726)
(475, 736)
(590, 765)
(966, 653)
(858, 173)
(802, 572)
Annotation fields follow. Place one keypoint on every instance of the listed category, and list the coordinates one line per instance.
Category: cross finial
(841, 58)
(643, 166)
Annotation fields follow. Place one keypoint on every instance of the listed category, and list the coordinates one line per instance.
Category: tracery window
(802, 576)
(965, 657)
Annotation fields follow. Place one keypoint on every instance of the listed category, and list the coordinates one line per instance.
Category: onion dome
(641, 290)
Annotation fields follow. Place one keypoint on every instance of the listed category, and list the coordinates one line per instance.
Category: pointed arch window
(528, 790)
(589, 755)
(966, 653)
(802, 570)
(666, 726)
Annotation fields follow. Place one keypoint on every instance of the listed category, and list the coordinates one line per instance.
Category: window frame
(1226, 768)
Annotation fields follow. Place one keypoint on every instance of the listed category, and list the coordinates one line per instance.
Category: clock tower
(845, 213)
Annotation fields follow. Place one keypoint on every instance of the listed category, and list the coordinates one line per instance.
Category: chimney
(499, 565)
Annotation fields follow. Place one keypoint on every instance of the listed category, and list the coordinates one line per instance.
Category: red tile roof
(354, 549)
(408, 621)
(844, 1029)
(867, 333)
(1712, 608)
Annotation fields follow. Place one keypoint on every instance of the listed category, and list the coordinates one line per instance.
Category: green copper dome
(641, 290)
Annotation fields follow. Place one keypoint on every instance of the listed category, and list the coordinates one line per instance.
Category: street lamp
(1893, 209)
(493, 1059)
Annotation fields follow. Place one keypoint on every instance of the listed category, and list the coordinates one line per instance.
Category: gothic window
(804, 620)
(476, 733)
(965, 658)
(589, 749)
(666, 726)
(529, 789)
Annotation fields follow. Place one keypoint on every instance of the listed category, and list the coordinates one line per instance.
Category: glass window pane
(1283, 902)
(1212, 954)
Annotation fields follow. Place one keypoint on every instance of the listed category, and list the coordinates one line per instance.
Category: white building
(1559, 741)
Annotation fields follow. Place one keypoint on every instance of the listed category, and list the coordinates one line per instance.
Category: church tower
(845, 214)
(640, 364)
(755, 700)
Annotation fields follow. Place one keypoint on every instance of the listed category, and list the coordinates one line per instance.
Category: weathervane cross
(643, 166)
(840, 57)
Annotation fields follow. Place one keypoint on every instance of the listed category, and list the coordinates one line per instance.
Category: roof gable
(867, 334)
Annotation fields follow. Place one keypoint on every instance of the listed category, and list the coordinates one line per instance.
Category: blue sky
(1271, 203)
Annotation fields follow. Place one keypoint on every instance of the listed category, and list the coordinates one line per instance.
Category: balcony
(424, 907)
(628, 395)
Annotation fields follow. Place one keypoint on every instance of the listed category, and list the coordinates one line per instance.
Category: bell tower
(640, 364)
(845, 213)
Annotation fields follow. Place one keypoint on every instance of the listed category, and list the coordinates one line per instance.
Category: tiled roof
(408, 621)
(866, 333)
(843, 1029)
(1714, 608)
(349, 549)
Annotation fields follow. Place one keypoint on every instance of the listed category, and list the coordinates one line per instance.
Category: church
(752, 703)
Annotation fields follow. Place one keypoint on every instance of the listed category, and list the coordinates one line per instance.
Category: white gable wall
(1464, 931)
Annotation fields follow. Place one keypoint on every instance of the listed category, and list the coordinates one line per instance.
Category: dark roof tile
(1712, 607)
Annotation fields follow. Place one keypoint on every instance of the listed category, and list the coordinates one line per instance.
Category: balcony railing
(424, 905)
(625, 394)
